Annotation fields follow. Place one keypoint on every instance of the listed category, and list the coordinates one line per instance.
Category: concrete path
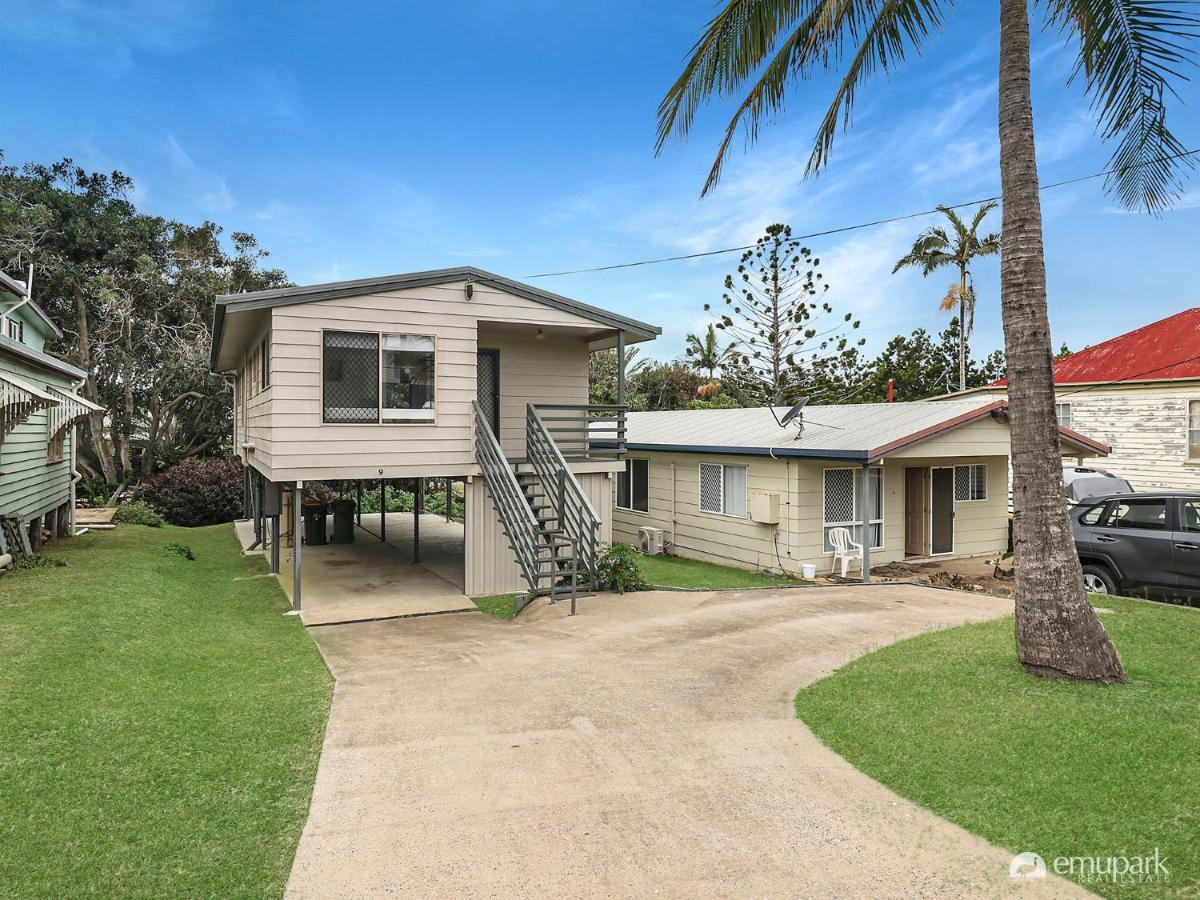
(646, 746)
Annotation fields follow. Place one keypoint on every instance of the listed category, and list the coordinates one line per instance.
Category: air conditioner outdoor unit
(650, 540)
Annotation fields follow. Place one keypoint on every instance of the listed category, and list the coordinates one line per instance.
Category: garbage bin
(343, 521)
(314, 524)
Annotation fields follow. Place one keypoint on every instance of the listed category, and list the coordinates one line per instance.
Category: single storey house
(38, 411)
(746, 487)
(1140, 394)
(454, 374)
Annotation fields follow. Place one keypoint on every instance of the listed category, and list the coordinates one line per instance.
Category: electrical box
(764, 507)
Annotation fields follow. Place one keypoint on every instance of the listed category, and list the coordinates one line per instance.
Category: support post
(865, 515)
(382, 511)
(297, 540)
(449, 499)
(621, 368)
(35, 533)
(275, 544)
(418, 506)
(358, 505)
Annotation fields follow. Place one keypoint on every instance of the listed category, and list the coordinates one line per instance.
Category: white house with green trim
(39, 407)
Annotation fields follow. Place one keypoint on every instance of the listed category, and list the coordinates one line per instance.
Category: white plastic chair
(845, 550)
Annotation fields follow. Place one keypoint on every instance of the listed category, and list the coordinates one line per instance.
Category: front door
(941, 517)
(916, 511)
(487, 382)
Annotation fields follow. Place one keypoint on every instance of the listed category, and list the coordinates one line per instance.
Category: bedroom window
(970, 483)
(633, 486)
(723, 489)
(1062, 412)
(841, 505)
(350, 377)
(409, 361)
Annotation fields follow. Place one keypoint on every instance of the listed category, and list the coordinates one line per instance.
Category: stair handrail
(518, 519)
(576, 515)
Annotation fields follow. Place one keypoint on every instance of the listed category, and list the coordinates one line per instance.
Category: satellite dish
(793, 412)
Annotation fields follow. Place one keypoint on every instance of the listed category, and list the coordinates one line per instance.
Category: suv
(1143, 543)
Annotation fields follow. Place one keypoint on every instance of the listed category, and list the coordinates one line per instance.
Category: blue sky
(361, 139)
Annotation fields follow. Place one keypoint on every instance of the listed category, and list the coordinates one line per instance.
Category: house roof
(1165, 350)
(227, 304)
(13, 286)
(859, 431)
(38, 358)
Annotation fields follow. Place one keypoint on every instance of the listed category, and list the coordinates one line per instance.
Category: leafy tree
(936, 248)
(133, 295)
(1129, 51)
(707, 354)
(602, 374)
(665, 385)
(776, 313)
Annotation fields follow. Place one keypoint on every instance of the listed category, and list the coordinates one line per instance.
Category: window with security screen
(970, 483)
(841, 503)
(350, 377)
(723, 489)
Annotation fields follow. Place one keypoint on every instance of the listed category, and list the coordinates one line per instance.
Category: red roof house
(1165, 350)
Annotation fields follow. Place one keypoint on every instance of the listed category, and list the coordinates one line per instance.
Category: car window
(1092, 516)
(1189, 515)
(1148, 514)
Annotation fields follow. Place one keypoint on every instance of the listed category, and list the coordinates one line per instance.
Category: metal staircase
(547, 554)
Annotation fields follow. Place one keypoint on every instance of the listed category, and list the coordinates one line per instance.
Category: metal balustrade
(585, 431)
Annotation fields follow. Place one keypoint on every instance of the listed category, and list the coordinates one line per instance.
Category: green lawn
(160, 720)
(502, 606)
(951, 721)
(675, 571)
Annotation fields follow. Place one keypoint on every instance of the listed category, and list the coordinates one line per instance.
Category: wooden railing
(585, 431)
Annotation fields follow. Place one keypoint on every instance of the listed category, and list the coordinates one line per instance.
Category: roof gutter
(774, 452)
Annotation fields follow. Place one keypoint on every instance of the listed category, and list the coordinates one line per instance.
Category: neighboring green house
(38, 411)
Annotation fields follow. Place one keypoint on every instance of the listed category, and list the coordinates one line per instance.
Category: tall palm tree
(1128, 53)
(706, 354)
(936, 248)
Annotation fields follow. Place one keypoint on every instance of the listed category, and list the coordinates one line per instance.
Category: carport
(400, 564)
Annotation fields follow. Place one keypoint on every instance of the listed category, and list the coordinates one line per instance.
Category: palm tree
(706, 354)
(935, 249)
(1128, 53)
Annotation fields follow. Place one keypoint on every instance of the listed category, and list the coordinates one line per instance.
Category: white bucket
(809, 571)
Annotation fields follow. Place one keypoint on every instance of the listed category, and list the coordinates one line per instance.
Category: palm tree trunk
(962, 329)
(1058, 632)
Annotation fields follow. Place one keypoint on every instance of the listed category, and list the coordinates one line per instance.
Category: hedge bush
(138, 513)
(196, 493)
(618, 569)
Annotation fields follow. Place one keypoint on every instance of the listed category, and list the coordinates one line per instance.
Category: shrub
(181, 550)
(138, 513)
(618, 569)
(37, 562)
(95, 491)
(196, 493)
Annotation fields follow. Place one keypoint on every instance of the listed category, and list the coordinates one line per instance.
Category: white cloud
(207, 189)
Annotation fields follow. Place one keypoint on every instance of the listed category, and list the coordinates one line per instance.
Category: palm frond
(887, 28)
(732, 47)
(1130, 51)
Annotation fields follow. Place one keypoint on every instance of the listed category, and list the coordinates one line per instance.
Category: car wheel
(1098, 580)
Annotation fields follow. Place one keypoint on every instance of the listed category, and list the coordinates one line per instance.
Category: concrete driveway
(646, 746)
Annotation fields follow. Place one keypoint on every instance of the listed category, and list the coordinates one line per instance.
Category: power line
(856, 227)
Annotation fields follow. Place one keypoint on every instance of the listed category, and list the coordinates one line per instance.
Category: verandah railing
(585, 431)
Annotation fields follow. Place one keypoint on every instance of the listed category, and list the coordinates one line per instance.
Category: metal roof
(39, 358)
(1161, 351)
(858, 431)
(232, 303)
(20, 289)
